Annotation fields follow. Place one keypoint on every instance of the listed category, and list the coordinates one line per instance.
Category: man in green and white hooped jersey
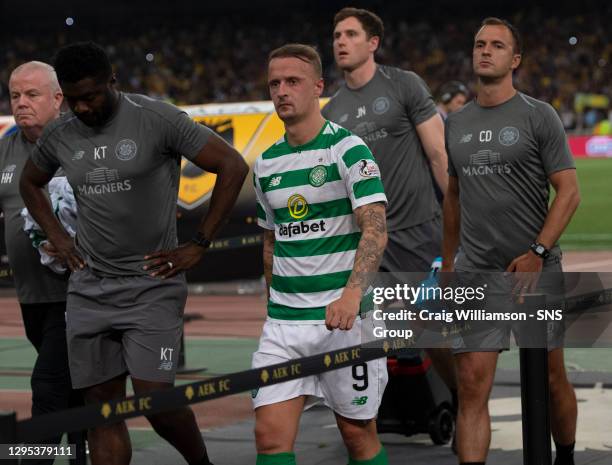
(322, 204)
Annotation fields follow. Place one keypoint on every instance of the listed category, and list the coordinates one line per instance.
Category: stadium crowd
(220, 58)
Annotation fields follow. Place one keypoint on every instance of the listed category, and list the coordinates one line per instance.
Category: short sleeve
(417, 99)
(554, 148)
(44, 154)
(183, 135)
(265, 216)
(360, 172)
(451, 167)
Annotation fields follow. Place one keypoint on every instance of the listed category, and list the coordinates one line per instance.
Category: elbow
(240, 167)
(236, 167)
(384, 241)
(576, 199)
(572, 196)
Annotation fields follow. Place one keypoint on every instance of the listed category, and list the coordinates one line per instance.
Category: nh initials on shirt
(100, 152)
(6, 178)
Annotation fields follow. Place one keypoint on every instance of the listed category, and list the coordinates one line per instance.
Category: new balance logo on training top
(359, 400)
(465, 138)
(275, 181)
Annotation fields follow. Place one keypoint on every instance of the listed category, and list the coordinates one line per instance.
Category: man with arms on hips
(393, 112)
(322, 205)
(121, 154)
(505, 150)
(36, 98)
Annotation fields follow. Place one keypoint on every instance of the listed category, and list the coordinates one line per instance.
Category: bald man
(36, 98)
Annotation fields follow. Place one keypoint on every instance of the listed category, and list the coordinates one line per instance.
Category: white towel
(65, 209)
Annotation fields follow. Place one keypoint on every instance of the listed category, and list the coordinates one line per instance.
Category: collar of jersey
(310, 143)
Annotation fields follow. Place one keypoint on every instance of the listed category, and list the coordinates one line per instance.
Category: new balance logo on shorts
(360, 400)
(166, 358)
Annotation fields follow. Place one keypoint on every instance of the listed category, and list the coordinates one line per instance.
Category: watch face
(540, 249)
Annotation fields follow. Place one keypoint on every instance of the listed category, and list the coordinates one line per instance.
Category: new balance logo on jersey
(297, 229)
(359, 400)
(6, 177)
(361, 112)
(465, 138)
(275, 181)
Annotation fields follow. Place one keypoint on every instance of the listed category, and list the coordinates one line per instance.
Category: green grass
(591, 227)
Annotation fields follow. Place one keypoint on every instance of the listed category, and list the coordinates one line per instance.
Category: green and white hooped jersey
(307, 195)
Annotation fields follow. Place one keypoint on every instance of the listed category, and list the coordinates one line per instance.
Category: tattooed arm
(372, 221)
(268, 252)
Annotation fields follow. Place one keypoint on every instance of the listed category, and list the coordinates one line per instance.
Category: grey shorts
(123, 325)
(413, 249)
(493, 337)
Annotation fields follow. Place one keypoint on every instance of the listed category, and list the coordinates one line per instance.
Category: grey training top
(385, 113)
(35, 283)
(503, 157)
(125, 177)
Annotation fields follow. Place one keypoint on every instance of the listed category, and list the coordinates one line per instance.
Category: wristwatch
(539, 250)
(200, 239)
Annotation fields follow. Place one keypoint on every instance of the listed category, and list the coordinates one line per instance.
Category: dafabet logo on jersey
(296, 229)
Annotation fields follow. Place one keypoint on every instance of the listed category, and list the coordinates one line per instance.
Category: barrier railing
(534, 390)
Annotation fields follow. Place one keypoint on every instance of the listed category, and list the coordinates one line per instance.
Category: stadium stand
(218, 57)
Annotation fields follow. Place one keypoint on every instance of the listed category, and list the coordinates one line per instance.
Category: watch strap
(539, 250)
(201, 240)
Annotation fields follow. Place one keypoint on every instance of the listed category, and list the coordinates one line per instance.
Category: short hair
(516, 36)
(371, 22)
(82, 60)
(38, 66)
(449, 89)
(306, 53)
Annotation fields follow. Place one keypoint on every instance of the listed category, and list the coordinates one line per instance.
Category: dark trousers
(45, 327)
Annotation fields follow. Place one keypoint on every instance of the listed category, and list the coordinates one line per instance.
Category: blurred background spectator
(191, 53)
